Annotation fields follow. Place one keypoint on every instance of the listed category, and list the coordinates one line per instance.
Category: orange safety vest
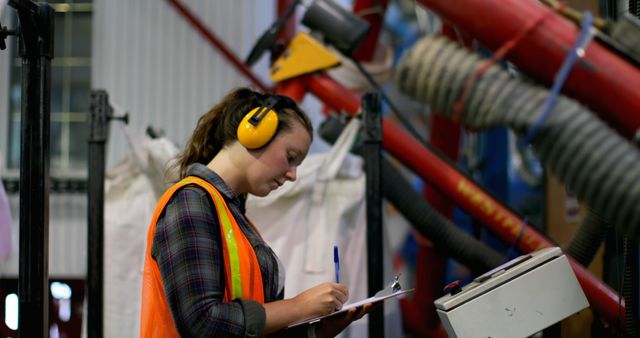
(241, 269)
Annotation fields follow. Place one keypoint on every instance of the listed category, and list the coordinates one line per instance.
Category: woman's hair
(218, 127)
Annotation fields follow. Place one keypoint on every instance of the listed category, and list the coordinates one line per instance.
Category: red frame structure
(437, 172)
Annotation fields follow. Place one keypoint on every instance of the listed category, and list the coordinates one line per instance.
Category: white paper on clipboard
(347, 307)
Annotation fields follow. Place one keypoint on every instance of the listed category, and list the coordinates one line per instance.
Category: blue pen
(336, 262)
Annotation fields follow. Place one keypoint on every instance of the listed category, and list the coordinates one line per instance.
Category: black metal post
(36, 50)
(630, 287)
(372, 159)
(100, 113)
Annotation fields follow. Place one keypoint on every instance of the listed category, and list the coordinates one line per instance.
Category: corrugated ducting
(155, 66)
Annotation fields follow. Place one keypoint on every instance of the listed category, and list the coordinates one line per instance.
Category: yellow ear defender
(259, 125)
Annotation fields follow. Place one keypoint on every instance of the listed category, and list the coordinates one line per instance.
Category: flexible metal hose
(587, 239)
(593, 161)
(449, 238)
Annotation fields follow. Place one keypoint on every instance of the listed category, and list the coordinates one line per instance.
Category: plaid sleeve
(187, 247)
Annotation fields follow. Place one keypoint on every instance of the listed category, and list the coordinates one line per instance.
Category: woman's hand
(322, 299)
(330, 327)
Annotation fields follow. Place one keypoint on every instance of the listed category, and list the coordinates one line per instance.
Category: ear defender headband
(259, 125)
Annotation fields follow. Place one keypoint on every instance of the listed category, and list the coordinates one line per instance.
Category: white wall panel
(155, 66)
(67, 236)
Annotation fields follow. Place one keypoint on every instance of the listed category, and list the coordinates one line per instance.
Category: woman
(200, 283)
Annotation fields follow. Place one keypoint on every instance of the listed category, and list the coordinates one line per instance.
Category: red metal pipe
(430, 262)
(464, 192)
(602, 80)
(373, 12)
(324, 87)
(294, 89)
(419, 316)
(220, 46)
(289, 29)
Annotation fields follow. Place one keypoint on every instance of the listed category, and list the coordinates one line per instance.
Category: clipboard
(379, 297)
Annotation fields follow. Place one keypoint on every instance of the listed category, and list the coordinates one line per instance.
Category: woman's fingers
(333, 296)
(331, 326)
(323, 299)
(339, 291)
(364, 310)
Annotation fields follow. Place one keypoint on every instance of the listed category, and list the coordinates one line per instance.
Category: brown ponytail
(217, 127)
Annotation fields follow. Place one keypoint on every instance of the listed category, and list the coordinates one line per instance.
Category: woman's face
(278, 161)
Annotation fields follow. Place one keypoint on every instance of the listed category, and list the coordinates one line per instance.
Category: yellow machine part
(303, 55)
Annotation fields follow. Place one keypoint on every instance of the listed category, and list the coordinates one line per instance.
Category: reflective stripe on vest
(243, 278)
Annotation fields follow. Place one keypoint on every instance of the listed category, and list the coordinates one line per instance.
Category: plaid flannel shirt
(187, 247)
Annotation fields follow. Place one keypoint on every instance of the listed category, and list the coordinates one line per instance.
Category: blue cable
(569, 61)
